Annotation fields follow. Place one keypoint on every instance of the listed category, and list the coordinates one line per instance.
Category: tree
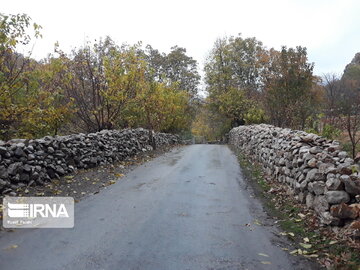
(209, 123)
(332, 87)
(104, 77)
(348, 107)
(233, 73)
(159, 107)
(48, 109)
(236, 63)
(234, 105)
(174, 67)
(290, 94)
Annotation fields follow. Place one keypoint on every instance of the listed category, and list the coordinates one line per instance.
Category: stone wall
(27, 162)
(318, 172)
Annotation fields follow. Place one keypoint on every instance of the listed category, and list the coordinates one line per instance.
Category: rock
(3, 150)
(321, 204)
(354, 228)
(311, 175)
(318, 188)
(19, 152)
(327, 168)
(355, 225)
(24, 177)
(3, 184)
(301, 197)
(334, 184)
(315, 150)
(34, 176)
(337, 197)
(312, 163)
(308, 138)
(59, 170)
(327, 219)
(14, 168)
(3, 172)
(345, 170)
(344, 211)
(27, 168)
(351, 186)
(342, 154)
(282, 162)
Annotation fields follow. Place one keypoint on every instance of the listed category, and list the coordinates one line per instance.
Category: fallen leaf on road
(119, 174)
(263, 254)
(257, 222)
(291, 234)
(266, 262)
(11, 247)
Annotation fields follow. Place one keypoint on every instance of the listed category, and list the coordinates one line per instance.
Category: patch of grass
(299, 223)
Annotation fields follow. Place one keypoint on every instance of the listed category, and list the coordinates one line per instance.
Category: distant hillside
(352, 70)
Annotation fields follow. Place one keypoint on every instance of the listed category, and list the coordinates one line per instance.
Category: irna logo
(22, 210)
(39, 212)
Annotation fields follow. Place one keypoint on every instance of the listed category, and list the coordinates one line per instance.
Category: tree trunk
(152, 141)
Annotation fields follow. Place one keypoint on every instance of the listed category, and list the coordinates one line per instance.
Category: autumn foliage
(99, 86)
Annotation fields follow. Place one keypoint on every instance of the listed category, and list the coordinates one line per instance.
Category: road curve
(187, 209)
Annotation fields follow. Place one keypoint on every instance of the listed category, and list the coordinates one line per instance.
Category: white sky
(328, 28)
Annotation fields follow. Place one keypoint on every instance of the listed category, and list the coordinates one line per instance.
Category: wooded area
(248, 83)
(103, 85)
(98, 86)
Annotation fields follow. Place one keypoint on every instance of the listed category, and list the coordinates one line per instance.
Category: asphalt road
(187, 209)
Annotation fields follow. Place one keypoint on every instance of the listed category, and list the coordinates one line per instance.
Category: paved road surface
(187, 209)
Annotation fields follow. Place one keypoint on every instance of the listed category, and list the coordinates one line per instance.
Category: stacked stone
(27, 162)
(318, 172)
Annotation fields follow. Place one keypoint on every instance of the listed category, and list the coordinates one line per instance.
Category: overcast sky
(330, 29)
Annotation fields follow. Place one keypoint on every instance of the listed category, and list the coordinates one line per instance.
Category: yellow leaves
(11, 247)
(159, 106)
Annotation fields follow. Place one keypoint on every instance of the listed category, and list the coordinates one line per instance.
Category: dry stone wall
(27, 162)
(319, 173)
